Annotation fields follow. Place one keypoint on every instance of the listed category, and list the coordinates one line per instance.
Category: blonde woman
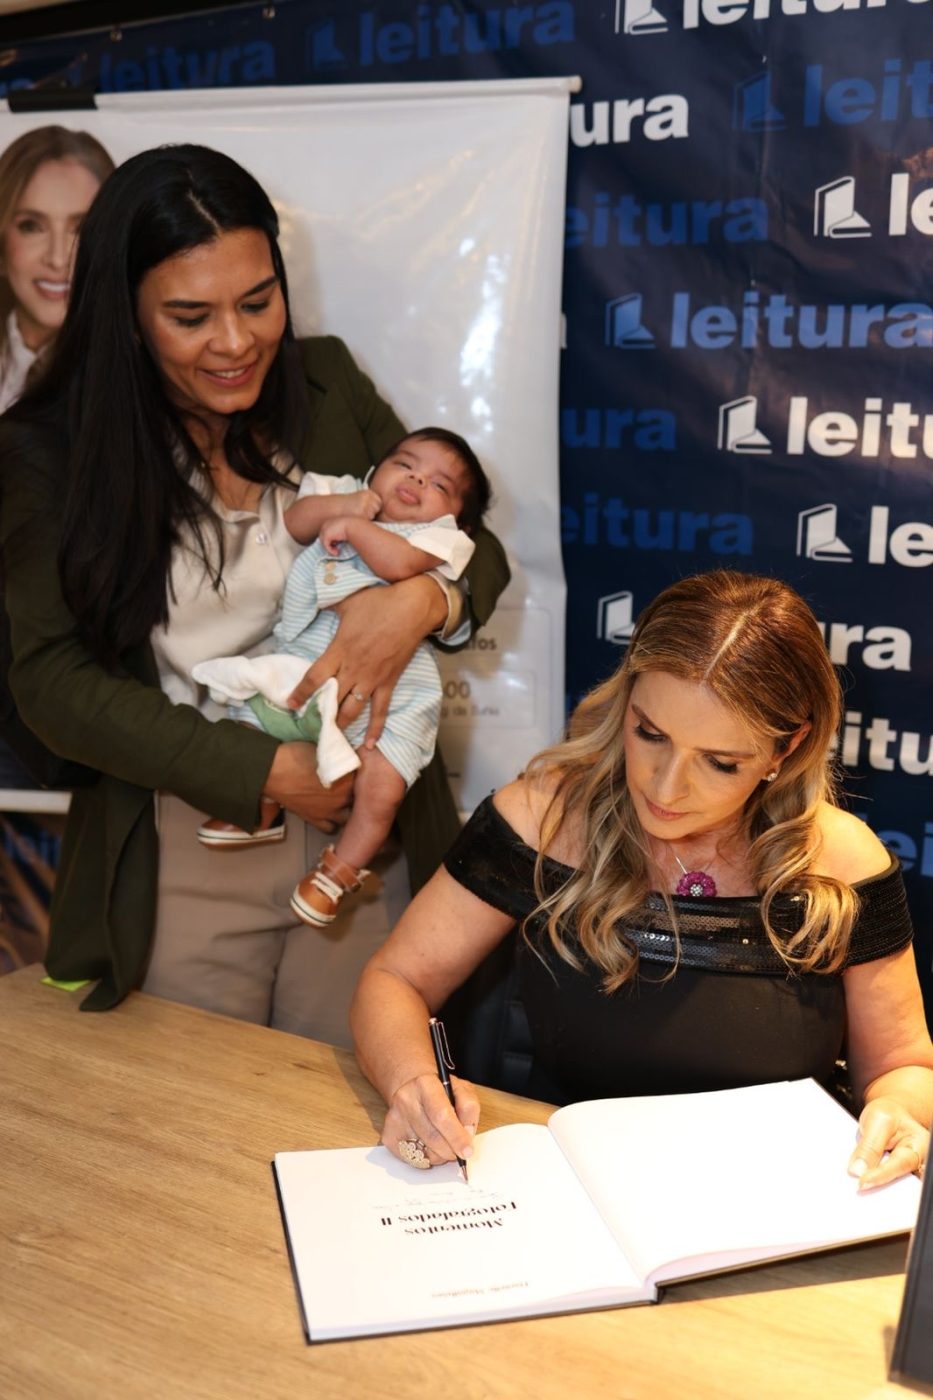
(48, 178)
(697, 911)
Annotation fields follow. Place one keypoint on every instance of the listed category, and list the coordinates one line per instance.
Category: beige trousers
(226, 939)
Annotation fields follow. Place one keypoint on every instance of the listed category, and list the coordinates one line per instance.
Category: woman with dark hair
(697, 911)
(145, 480)
(48, 178)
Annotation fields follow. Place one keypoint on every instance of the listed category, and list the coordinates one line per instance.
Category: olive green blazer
(121, 725)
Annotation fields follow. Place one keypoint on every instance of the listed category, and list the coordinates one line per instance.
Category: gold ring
(412, 1150)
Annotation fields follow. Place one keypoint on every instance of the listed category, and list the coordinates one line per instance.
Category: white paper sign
(423, 223)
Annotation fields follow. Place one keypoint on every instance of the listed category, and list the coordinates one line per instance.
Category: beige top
(236, 619)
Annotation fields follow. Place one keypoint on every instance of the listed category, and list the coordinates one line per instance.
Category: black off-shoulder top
(729, 1014)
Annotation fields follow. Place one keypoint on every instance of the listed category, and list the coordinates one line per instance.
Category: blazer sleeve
(108, 720)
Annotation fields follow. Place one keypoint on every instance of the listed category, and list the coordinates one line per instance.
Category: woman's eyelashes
(251, 308)
(652, 736)
(255, 308)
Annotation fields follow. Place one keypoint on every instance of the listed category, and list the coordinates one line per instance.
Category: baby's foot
(219, 834)
(317, 897)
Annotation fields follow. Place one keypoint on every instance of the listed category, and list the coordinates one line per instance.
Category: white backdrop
(423, 223)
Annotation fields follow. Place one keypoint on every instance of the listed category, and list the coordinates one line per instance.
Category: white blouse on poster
(17, 362)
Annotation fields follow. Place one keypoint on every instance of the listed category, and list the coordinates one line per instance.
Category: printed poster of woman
(48, 178)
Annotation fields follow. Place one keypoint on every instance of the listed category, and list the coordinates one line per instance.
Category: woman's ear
(785, 747)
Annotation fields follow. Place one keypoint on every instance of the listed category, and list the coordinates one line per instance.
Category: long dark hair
(132, 467)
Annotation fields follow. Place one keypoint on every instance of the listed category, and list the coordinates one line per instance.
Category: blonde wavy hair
(18, 163)
(755, 644)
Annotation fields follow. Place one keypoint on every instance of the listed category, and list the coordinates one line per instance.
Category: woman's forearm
(443, 935)
(389, 1022)
(132, 731)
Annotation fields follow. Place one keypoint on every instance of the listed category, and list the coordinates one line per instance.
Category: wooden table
(141, 1250)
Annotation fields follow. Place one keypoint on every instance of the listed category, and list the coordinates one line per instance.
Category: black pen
(444, 1063)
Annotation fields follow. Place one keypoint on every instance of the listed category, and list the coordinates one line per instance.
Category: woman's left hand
(891, 1144)
(377, 636)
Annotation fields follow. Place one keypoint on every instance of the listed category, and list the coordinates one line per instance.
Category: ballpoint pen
(444, 1064)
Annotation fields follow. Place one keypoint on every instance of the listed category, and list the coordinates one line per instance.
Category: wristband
(456, 605)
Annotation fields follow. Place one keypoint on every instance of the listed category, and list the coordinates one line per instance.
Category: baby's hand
(365, 504)
(334, 532)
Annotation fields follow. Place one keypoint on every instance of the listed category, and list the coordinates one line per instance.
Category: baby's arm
(389, 556)
(305, 517)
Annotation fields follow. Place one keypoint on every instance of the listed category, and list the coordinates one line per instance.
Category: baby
(405, 522)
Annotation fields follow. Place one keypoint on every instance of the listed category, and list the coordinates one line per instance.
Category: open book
(609, 1200)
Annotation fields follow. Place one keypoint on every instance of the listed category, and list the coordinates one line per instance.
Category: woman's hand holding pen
(419, 1111)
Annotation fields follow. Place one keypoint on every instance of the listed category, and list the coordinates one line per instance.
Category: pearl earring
(770, 777)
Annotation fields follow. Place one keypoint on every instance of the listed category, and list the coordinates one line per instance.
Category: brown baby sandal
(224, 835)
(317, 897)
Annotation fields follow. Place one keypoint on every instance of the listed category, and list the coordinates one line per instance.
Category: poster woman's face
(38, 247)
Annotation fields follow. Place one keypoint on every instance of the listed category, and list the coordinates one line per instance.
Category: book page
(698, 1182)
(380, 1246)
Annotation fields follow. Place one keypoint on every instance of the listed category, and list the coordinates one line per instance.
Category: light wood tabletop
(142, 1254)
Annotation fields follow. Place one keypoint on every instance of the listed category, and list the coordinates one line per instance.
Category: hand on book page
(891, 1144)
(379, 1246)
(745, 1174)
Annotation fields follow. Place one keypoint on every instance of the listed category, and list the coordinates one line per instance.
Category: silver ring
(918, 1169)
(412, 1149)
(358, 695)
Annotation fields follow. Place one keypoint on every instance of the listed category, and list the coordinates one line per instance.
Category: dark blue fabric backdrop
(747, 298)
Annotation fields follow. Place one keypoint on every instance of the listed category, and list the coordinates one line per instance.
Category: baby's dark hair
(478, 494)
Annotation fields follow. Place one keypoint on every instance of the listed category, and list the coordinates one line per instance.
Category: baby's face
(420, 481)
